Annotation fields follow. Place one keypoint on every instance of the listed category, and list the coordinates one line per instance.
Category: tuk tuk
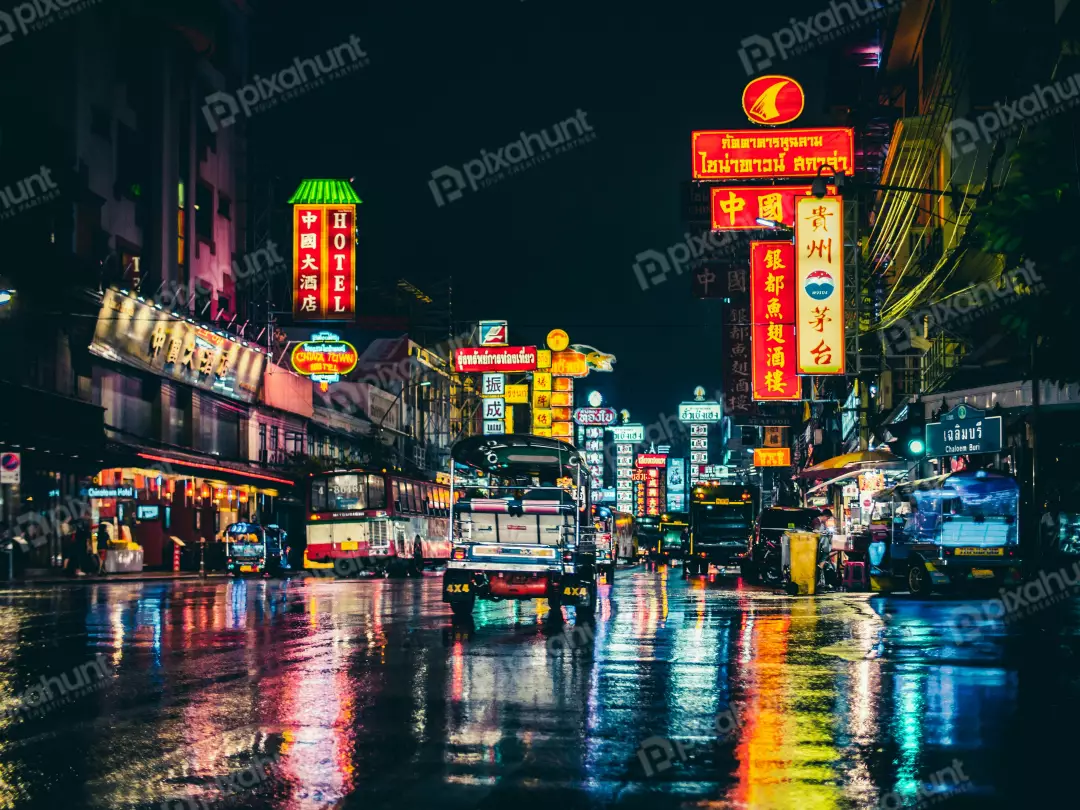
(254, 549)
(527, 532)
(944, 532)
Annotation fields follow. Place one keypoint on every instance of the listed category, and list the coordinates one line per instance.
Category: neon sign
(326, 358)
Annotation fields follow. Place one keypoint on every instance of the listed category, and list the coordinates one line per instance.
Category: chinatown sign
(780, 457)
(483, 358)
(819, 281)
(963, 431)
(595, 416)
(699, 412)
(326, 358)
(324, 251)
(772, 307)
(140, 335)
(738, 208)
(773, 100)
(749, 154)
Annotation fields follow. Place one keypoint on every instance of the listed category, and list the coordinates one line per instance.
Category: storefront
(174, 509)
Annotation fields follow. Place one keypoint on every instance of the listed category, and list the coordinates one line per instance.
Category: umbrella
(854, 462)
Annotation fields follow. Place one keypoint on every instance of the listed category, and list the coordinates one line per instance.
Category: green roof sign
(324, 192)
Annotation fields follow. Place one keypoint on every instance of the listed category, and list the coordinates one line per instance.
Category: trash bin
(804, 558)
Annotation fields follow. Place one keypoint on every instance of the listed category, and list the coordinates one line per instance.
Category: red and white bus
(382, 522)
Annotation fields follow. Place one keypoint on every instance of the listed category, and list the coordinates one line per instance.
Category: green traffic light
(916, 446)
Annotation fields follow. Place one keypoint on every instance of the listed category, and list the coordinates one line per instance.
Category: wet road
(363, 694)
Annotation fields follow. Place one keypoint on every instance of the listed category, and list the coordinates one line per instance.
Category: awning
(854, 462)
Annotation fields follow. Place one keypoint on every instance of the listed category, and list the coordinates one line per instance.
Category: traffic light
(909, 437)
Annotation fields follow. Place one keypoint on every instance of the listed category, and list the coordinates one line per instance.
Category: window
(204, 212)
(262, 443)
(101, 122)
(376, 491)
(338, 493)
(274, 435)
(294, 442)
(224, 206)
(397, 495)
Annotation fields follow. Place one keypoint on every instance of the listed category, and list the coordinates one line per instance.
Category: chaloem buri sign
(963, 431)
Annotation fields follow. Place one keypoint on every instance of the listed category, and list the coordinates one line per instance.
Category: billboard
(819, 281)
(676, 485)
(627, 434)
(769, 457)
(493, 333)
(772, 307)
(507, 358)
(749, 154)
(699, 412)
(595, 416)
(651, 460)
(136, 333)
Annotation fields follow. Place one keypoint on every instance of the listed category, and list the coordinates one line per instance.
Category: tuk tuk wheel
(918, 580)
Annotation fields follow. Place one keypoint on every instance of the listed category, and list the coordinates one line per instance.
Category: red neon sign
(738, 208)
(651, 460)
(773, 100)
(772, 308)
(504, 358)
(324, 262)
(745, 154)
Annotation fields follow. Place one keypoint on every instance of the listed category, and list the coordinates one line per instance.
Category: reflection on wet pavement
(310, 694)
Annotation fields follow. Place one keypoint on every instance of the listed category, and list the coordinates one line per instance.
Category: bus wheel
(918, 580)
(463, 608)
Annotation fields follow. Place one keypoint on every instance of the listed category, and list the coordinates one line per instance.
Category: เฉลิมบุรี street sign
(963, 431)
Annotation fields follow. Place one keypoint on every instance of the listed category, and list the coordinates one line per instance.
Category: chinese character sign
(819, 276)
(493, 385)
(324, 262)
(772, 306)
(738, 208)
(309, 238)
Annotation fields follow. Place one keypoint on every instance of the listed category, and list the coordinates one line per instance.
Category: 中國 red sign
(595, 416)
(744, 154)
(738, 208)
(504, 358)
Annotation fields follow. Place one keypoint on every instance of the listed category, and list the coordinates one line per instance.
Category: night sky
(554, 245)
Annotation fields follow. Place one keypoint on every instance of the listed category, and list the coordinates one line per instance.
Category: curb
(108, 580)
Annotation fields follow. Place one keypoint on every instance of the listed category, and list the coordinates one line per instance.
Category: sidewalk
(137, 576)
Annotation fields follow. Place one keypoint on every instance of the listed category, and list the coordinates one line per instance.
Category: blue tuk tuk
(946, 531)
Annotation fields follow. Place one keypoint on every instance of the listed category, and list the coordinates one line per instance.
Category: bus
(382, 523)
(721, 522)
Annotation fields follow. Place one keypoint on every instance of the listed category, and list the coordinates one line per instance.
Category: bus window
(416, 498)
(318, 495)
(407, 502)
(444, 501)
(376, 488)
(343, 493)
(398, 505)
